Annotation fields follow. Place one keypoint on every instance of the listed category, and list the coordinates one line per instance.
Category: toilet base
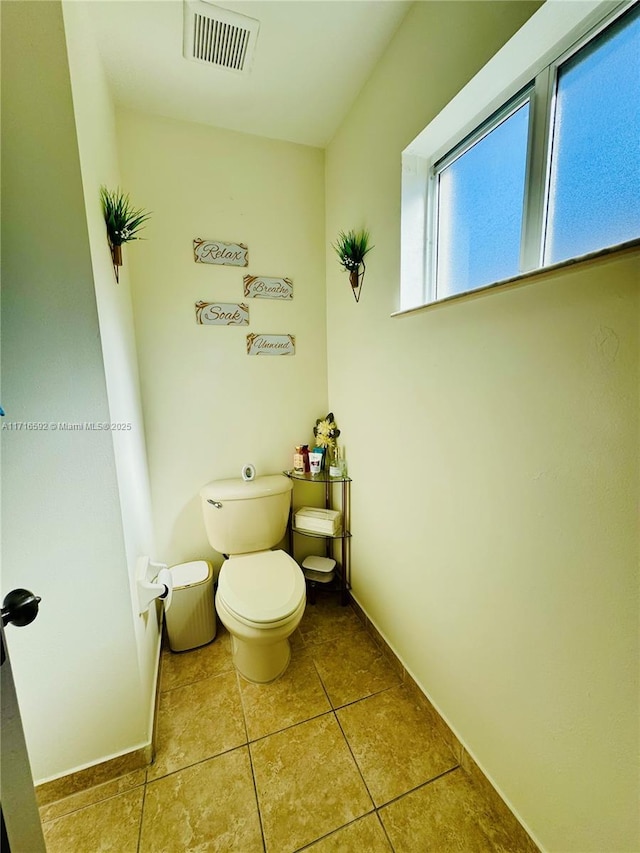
(260, 664)
(260, 654)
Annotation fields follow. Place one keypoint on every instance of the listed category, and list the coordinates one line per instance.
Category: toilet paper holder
(154, 581)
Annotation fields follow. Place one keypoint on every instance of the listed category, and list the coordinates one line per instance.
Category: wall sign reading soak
(271, 344)
(222, 313)
(217, 252)
(261, 287)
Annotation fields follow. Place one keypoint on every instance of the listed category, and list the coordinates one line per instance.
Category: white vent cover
(218, 37)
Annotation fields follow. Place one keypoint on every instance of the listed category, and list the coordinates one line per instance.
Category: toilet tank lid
(238, 489)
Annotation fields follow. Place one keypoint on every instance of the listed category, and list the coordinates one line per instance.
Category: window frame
(530, 60)
(525, 95)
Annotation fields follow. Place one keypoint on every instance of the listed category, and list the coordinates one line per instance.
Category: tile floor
(340, 755)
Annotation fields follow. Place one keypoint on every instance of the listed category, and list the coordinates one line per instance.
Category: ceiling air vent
(219, 37)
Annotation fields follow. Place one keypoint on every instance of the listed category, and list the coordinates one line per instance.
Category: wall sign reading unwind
(271, 344)
(222, 313)
(262, 287)
(217, 252)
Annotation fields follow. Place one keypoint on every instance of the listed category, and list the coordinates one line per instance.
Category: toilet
(261, 593)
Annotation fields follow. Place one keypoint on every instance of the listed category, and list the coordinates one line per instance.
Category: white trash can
(191, 618)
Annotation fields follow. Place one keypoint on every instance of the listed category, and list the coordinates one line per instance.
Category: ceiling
(312, 58)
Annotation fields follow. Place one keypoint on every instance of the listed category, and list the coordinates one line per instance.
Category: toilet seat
(263, 589)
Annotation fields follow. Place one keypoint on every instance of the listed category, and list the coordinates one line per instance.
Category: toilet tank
(247, 515)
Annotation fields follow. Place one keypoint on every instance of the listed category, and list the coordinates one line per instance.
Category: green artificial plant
(123, 221)
(351, 247)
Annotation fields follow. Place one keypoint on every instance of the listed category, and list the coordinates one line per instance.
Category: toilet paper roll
(248, 472)
(166, 579)
(160, 588)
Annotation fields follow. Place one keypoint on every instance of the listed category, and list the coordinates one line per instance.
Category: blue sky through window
(480, 209)
(594, 196)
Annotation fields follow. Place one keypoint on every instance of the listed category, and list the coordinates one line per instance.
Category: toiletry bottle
(298, 461)
(343, 463)
(335, 462)
(306, 467)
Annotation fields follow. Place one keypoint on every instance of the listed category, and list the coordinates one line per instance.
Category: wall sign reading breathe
(262, 287)
(217, 252)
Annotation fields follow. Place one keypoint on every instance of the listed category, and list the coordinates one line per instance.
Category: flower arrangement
(123, 221)
(326, 431)
(351, 247)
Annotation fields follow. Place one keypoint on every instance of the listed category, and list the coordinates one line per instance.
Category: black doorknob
(20, 607)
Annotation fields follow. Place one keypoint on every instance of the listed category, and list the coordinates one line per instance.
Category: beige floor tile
(198, 721)
(362, 836)
(111, 826)
(327, 619)
(307, 783)
(93, 795)
(450, 815)
(296, 696)
(316, 770)
(208, 807)
(353, 667)
(179, 668)
(394, 743)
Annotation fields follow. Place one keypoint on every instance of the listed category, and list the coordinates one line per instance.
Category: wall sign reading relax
(217, 252)
(262, 287)
(222, 313)
(271, 345)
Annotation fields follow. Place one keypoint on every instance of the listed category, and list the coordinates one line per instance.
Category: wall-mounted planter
(351, 247)
(123, 222)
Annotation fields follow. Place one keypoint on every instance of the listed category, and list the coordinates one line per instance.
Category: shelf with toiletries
(331, 523)
(314, 534)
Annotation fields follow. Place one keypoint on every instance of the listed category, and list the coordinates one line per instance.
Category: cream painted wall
(209, 408)
(495, 537)
(76, 667)
(95, 123)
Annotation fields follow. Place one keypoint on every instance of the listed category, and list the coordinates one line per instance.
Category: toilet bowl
(260, 600)
(261, 592)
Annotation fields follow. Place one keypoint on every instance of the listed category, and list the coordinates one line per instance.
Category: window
(594, 193)
(549, 173)
(480, 195)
